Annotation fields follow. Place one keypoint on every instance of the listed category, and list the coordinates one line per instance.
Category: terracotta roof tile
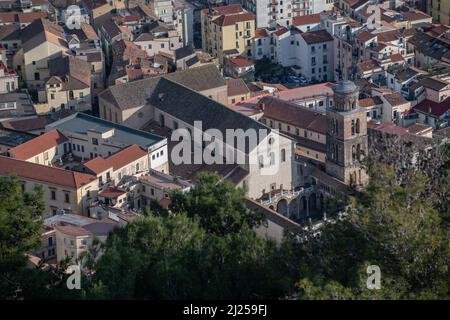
(261, 33)
(307, 19)
(237, 87)
(318, 36)
(38, 145)
(293, 114)
(433, 108)
(73, 230)
(45, 174)
(97, 165)
(370, 102)
(231, 19)
(117, 160)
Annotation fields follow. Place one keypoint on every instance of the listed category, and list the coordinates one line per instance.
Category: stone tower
(346, 136)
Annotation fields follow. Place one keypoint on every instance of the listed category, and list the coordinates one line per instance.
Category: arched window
(272, 158)
(71, 95)
(358, 151)
(357, 126)
(353, 153)
(283, 155)
(353, 127)
(353, 104)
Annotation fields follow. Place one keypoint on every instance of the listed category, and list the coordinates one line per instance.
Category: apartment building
(21, 19)
(75, 238)
(308, 7)
(44, 149)
(183, 20)
(91, 137)
(270, 12)
(42, 41)
(68, 85)
(227, 30)
(160, 42)
(63, 189)
(162, 9)
(440, 11)
(315, 55)
(129, 161)
(9, 80)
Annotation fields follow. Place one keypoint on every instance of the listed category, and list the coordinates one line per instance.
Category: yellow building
(227, 30)
(237, 91)
(439, 10)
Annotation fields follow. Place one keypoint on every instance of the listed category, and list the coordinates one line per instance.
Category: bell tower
(346, 136)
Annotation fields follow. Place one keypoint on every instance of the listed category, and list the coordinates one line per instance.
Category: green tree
(20, 231)
(172, 257)
(391, 225)
(219, 206)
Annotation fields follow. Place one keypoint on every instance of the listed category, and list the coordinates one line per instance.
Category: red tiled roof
(237, 87)
(307, 19)
(396, 57)
(126, 156)
(388, 36)
(117, 160)
(231, 19)
(73, 230)
(395, 99)
(365, 35)
(261, 33)
(27, 124)
(21, 17)
(97, 165)
(368, 65)
(433, 108)
(387, 128)
(111, 193)
(288, 112)
(228, 9)
(38, 145)
(370, 102)
(241, 61)
(41, 173)
(316, 36)
(281, 31)
(415, 15)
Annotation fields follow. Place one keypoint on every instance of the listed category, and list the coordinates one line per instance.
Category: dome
(346, 86)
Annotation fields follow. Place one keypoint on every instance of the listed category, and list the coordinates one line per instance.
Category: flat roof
(165, 181)
(80, 123)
